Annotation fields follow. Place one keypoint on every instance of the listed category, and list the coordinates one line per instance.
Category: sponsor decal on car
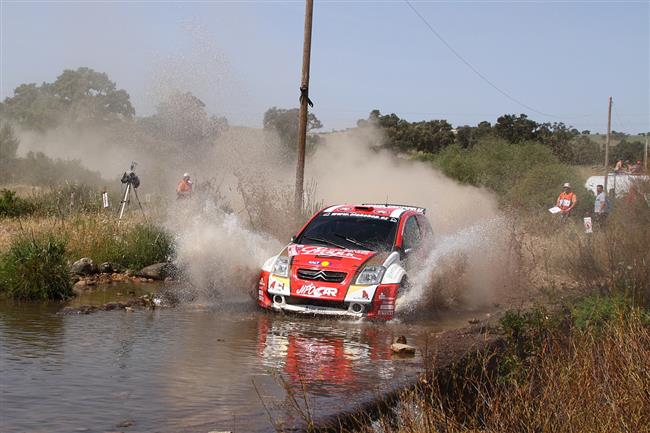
(316, 292)
(314, 262)
(362, 215)
(276, 285)
(314, 250)
(279, 286)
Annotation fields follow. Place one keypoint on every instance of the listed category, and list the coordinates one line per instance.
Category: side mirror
(293, 238)
(408, 251)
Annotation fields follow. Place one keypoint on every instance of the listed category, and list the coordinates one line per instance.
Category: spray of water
(220, 256)
(472, 264)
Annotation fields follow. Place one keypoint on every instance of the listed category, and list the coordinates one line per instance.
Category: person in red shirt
(184, 188)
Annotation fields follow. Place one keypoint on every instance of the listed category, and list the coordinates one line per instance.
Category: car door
(411, 236)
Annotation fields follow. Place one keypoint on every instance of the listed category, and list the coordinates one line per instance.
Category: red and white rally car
(346, 261)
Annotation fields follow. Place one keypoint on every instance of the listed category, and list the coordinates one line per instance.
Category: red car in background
(348, 260)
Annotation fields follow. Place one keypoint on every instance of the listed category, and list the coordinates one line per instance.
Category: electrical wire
(472, 68)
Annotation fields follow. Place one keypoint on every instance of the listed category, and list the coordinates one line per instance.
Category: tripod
(126, 199)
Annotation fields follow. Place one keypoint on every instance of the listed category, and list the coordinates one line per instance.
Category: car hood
(323, 272)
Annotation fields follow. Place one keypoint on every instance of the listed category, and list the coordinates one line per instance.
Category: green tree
(33, 107)
(464, 136)
(585, 151)
(285, 123)
(90, 94)
(79, 95)
(628, 151)
(399, 134)
(558, 137)
(8, 143)
(515, 129)
(182, 119)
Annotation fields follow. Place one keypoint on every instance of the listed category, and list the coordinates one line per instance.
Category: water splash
(480, 248)
(219, 254)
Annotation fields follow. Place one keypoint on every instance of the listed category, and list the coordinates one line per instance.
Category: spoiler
(401, 206)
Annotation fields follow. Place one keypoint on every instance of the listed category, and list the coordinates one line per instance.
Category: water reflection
(181, 369)
(328, 358)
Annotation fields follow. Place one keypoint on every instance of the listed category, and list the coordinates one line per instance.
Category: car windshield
(351, 232)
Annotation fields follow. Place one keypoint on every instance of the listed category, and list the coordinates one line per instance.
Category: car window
(412, 236)
(351, 231)
(425, 227)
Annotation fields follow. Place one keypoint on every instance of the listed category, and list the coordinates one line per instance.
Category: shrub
(35, 269)
(130, 246)
(12, 205)
(144, 245)
(39, 169)
(594, 312)
(522, 174)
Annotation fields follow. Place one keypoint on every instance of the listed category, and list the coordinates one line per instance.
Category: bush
(594, 312)
(35, 269)
(144, 245)
(522, 174)
(39, 169)
(12, 205)
(128, 246)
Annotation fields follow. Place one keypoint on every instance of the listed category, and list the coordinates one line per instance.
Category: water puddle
(191, 368)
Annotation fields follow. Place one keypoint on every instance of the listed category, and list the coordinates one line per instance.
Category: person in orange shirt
(184, 188)
(567, 200)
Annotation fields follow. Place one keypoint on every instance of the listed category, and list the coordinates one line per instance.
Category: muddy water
(191, 368)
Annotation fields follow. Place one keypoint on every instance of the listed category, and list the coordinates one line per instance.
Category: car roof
(386, 210)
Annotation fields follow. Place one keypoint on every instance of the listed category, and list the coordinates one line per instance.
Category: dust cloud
(241, 213)
(347, 168)
(470, 259)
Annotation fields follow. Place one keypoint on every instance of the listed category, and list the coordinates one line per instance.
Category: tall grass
(13, 206)
(577, 381)
(616, 257)
(35, 268)
(130, 244)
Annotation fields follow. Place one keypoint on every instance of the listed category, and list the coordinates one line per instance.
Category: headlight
(281, 266)
(268, 264)
(371, 275)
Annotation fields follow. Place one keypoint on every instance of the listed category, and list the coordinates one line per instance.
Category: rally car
(348, 260)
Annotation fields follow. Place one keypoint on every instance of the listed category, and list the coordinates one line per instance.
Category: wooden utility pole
(609, 137)
(645, 154)
(304, 102)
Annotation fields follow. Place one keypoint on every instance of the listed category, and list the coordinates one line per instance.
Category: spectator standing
(600, 205)
(567, 200)
(184, 189)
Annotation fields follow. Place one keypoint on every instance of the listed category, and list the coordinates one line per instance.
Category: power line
(472, 68)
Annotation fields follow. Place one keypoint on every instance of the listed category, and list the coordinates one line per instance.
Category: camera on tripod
(131, 181)
(130, 177)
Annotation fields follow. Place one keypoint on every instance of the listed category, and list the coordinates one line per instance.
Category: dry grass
(590, 382)
(130, 243)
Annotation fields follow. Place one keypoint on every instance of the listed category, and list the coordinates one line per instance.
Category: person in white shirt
(600, 205)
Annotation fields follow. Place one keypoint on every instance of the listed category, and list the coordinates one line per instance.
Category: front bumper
(315, 310)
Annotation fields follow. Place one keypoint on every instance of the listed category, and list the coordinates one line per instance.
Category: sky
(555, 60)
